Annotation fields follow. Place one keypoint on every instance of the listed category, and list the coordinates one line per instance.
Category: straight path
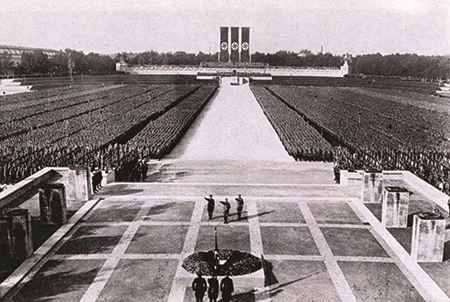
(232, 127)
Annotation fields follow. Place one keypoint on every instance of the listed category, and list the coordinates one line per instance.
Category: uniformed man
(210, 206)
(227, 288)
(199, 287)
(226, 210)
(213, 289)
(240, 205)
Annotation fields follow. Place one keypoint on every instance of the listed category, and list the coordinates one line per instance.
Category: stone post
(372, 186)
(6, 251)
(21, 234)
(394, 211)
(428, 237)
(52, 201)
(78, 184)
(350, 178)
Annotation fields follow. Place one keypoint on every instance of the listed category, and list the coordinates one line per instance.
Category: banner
(245, 44)
(224, 47)
(234, 44)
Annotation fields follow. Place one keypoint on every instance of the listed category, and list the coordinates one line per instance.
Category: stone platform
(319, 245)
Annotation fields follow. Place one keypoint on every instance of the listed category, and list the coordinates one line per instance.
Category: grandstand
(17, 51)
(332, 72)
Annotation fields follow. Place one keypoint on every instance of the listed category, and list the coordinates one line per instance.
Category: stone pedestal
(428, 237)
(394, 212)
(80, 179)
(372, 190)
(19, 224)
(350, 178)
(52, 201)
(6, 251)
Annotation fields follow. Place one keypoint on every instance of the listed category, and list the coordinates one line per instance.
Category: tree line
(399, 65)
(39, 63)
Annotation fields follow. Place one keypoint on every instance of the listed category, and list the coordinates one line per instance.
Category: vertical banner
(224, 45)
(234, 44)
(245, 44)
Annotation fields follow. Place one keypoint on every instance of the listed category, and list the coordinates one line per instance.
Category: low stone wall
(77, 182)
(439, 198)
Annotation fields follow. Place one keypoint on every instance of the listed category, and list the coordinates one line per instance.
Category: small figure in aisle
(199, 287)
(143, 169)
(227, 288)
(213, 289)
(210, 206)
(240, 206)
(226, 210)
(97, 180)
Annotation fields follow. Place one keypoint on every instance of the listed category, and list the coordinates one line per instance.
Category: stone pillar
(350, 178)
(21, 234)
(52, 201)
(79, 184)
(6, 251)
(394, 211)
(428, 237)
(372, 186)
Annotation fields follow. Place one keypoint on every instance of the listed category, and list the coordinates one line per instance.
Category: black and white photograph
(224, 151)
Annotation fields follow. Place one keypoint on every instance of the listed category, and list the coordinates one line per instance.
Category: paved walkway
(233, 141)
(133, 242)
(231, 127)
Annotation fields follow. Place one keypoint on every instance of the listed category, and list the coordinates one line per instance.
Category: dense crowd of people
(130, 161)
(430, 165)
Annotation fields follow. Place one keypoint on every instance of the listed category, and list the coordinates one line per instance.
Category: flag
(245, 45)
(224, 45)
(234, 44)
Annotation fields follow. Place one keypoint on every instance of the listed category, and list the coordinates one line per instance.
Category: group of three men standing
(226, 207)
(199, 287)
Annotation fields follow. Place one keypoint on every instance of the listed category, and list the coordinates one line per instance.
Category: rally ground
(320, 242)
(132, 244)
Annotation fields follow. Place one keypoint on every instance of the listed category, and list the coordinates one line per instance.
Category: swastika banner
(224, 47)
(245, 46)
(234, 44)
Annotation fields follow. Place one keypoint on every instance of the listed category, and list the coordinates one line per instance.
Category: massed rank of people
(433, 166)
(130, 161)
(87, 148)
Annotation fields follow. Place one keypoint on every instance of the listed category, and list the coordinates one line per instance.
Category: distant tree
(35, 62)
(59, 63)
(402, 65)
(6, 63)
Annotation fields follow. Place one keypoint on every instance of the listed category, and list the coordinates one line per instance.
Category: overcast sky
(354, 26)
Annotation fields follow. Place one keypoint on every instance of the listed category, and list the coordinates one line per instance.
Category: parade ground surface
(319, 241)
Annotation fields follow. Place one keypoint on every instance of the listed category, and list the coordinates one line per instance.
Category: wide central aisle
(232, 127)
(232, 141)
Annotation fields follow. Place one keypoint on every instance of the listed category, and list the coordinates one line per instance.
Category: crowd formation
(430, 165)
(130, 161)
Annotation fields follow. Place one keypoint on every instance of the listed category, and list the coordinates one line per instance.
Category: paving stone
(288, 241)
(158, 239)
(353, 242)
(279, 212)
(375, 281)
(93, 240)
(140, 281)
(60, 280)
(333, 212)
